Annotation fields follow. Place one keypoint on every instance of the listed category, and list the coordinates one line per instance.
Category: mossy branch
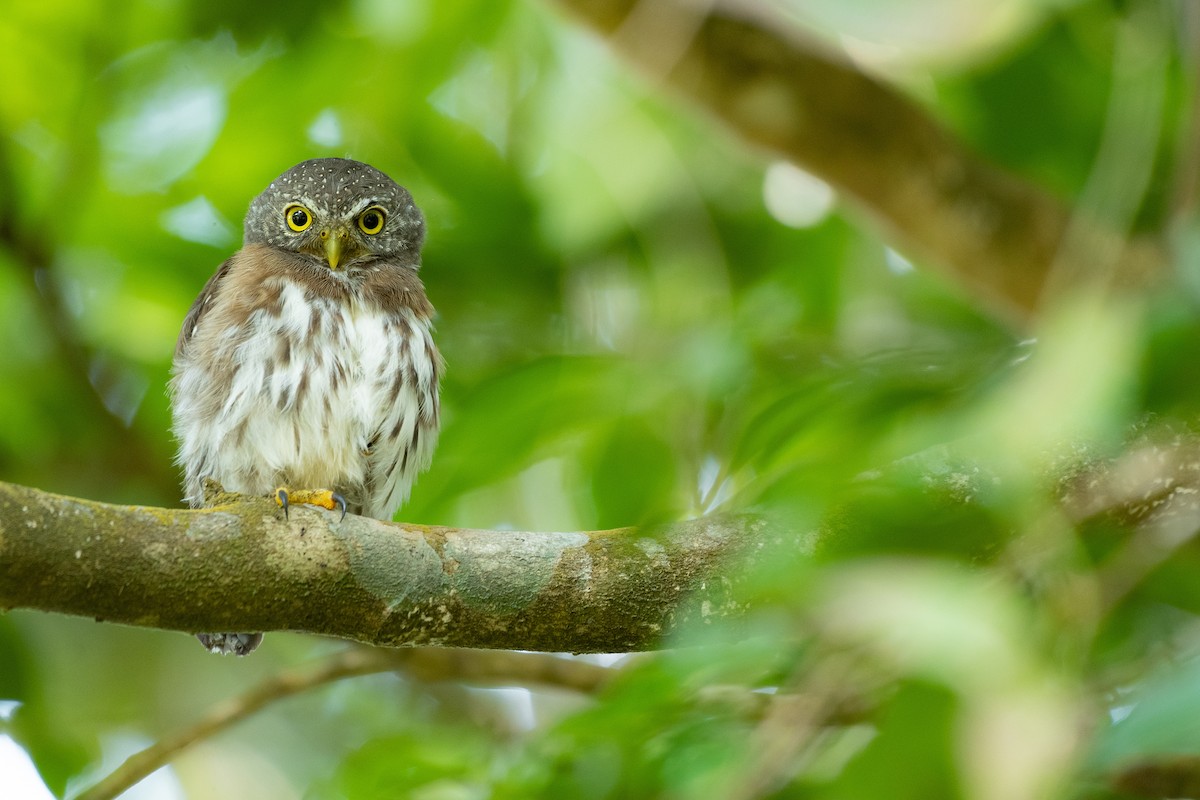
(241, 566)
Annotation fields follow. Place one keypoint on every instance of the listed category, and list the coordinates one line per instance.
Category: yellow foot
(312, 497)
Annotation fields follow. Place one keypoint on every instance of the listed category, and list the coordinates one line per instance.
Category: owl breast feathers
(307, 360)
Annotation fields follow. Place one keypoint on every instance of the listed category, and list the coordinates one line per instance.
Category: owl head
(338, 212)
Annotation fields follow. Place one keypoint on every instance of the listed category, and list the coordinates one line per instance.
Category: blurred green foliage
(633, 334)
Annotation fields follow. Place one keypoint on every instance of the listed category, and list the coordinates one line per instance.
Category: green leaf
(439, 764)
(1160, 716)
(914, 755)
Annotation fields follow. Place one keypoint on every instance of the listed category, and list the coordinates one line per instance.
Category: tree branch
(1005, 239)
(423, 663)
(1170, 776)
(241, 566)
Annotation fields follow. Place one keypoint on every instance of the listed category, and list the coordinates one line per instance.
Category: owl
(306, 369)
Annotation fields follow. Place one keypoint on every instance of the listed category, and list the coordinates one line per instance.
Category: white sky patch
(517, 703)
(1119, 713)
(162, 784)
(198, 220)
(710, 471)
(601, 659)
(152, 145)
(326, 129)
(896, 263)
(21, 779)
(8, 708)
(169, 104)
(794, 197)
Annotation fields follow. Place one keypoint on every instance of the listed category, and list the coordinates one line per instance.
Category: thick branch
(1002, 237)
(241, 566)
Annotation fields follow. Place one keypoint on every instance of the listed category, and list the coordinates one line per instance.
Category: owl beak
(335, 242)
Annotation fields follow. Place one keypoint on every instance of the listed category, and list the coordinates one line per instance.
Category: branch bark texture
(241, 566)
(1005, 239)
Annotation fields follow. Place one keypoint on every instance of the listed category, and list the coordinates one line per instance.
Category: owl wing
(201, 305)
(406, 432)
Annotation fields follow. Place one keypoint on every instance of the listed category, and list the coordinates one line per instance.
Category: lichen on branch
(241, 565)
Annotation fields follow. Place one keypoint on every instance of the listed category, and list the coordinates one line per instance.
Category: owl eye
(371, 220)
(298, 217)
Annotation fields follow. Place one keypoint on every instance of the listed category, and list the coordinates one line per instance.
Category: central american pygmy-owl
(307, 360)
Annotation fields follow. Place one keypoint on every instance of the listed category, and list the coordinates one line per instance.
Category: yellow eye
(371, 221)
(298, 217)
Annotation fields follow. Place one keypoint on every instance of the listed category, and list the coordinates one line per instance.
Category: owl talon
(311, 497)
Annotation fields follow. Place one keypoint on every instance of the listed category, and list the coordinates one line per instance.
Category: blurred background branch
(999, 235)
(1162, 777)
(425, 664)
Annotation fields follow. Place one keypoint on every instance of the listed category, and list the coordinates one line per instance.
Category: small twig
(426, 664)
(1187, 158)
(792, 720)
(138, 766)
(1124, 162)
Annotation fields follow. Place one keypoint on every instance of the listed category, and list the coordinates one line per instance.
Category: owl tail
(239, 644)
